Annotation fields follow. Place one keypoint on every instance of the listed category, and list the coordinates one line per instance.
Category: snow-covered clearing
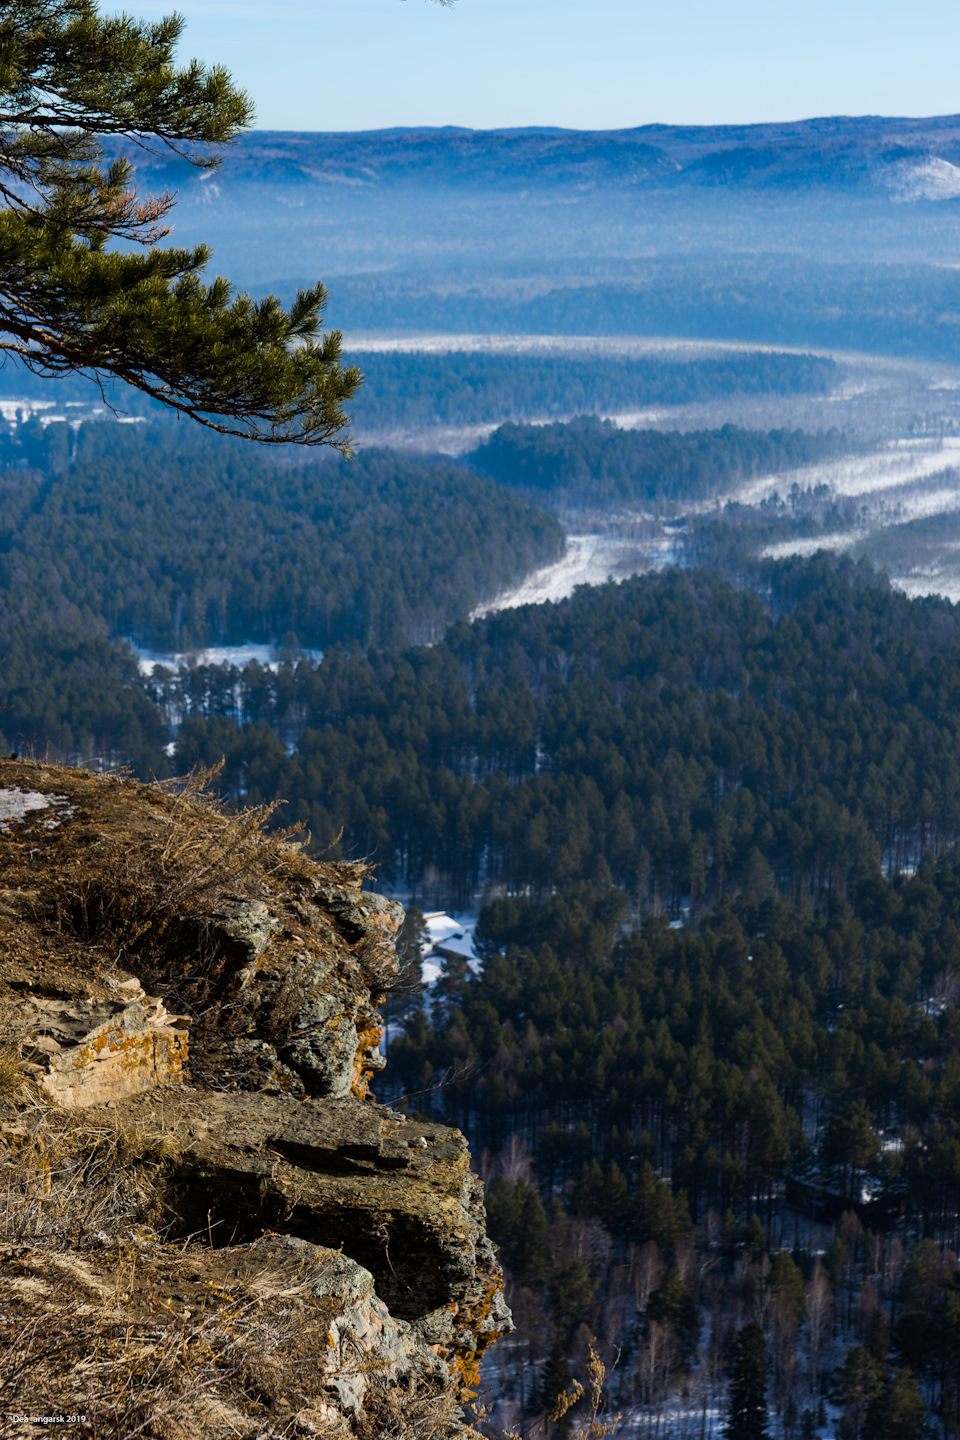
(932, 178)
(17, 410)
(923, 504)
(812, 545)
(590, 560)
(902, 486)
(444, 343)
(906, 480)
(931, 581)
(902, 462)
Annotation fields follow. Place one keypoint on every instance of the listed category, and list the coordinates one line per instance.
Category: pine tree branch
(69, 78)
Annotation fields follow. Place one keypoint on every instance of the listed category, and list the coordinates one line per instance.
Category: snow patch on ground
(636, 419)
(16, 804)
(932, 581)
(922, 505)
(890, 504)
(902, 462)
(227, 655)
(17, 410)
(13, 411)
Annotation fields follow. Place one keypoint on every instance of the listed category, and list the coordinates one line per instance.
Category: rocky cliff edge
(208, 1226)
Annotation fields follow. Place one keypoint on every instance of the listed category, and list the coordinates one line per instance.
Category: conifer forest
(555, 530)
(703, 817)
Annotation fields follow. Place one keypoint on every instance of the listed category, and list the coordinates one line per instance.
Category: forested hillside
(889, 305)
(753, 1116)
(179, 541)
(411, 389)
(670, 732)
(594, 462)
(686, 1131)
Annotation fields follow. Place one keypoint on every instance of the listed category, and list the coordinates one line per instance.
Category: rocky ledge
(190, 1148)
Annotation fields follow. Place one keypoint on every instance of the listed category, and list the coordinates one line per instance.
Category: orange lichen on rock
(85, 1059)
(487, 1318)
(117, 1063)
(368, 1046)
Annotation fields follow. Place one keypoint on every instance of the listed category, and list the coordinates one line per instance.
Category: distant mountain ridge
(839, 231)
(870, 151)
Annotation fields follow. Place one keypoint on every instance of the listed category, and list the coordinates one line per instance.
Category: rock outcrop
(96, 1051)
(189, 1034)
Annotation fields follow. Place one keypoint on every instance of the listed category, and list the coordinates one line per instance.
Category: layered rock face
(196, 1001)
(98, 1051)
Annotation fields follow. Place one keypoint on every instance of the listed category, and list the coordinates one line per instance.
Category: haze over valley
(628, 635)
(537, 275)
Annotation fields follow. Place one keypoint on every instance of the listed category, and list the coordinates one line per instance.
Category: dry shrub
(13, 1071)
(66, 1181)
(148, 883)
(593, 1425)
(397, 1411)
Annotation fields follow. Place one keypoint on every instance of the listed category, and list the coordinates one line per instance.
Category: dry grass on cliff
(67, 1181)
(132, 880)
(145, 881)
(166, 1378)
(138, 860)
(396, 1412)
(114, 1345)
(74, 1197)
(99, 1317)
(12, 1069)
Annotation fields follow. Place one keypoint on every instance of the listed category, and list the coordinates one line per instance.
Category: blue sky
(598, 64)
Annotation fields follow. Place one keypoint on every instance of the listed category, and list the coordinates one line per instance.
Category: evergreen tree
(786, 1282)
(898, 1413)
(850, 1144)
(74, 297)
(555, 1387)
(858, 1386)
(517, 1222)
(808, 1425)
(747, 1389)
(673, 1306)
(570, 1294)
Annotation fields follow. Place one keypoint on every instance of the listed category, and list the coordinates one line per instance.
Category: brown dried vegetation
(132, 883)
(101, 1315)
(100, 1318)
